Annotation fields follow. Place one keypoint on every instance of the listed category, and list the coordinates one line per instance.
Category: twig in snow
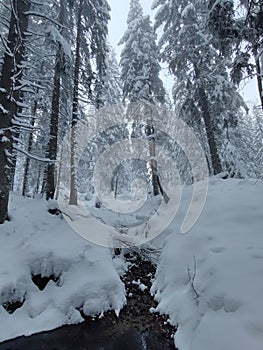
(192, 278)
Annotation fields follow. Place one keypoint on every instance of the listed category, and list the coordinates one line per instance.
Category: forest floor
(76, 292)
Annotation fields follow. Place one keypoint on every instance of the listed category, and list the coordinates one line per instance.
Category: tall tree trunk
(16, 133)
(53, 133)
(59, 176)
(29, 149)
(152, 163)
(10, 95)
(203, 101)
(36, 191)
(259, 75)
(54, 118)
(44, 182)
(73, 197)
(154, 176)
(215, 160)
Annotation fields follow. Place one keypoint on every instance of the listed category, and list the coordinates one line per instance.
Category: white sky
(119, 12)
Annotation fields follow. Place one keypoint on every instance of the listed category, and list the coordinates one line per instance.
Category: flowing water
(136, 328)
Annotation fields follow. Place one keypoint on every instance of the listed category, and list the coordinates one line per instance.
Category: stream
(136, 327)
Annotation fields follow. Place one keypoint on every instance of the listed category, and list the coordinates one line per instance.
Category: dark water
(90, 336)
(135, 328)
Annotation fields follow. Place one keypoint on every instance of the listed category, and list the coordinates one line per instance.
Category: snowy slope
(210, 280)
(35, 242)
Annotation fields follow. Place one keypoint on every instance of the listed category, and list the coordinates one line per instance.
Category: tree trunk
(154, 176)
(215, 160)
(259, 75)
(10, 95)
(29, 149)
(73, 197)
(38, 180)
(16, 133)
(54, 118)
(53, 133)
(152, 163)
(59, 176)
(44, 182)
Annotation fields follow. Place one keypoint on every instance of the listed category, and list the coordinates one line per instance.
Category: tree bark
(203, 101)
(36, 191)
(259, 75)
(53, 133)
(152, 163)
(154, 176)
(29, 149)
(16, 133)
(73, 197)
(11, 75)
(59, 176)
(54, 118)
(215, 160)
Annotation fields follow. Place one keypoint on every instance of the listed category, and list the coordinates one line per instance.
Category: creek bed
(136, 327)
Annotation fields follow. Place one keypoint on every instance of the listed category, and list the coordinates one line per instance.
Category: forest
(104, 146)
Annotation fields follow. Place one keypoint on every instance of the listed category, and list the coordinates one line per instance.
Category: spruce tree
(249, 46)
(91, 46)
(111, 92)
(139, 59)
(202, 91)
(140, 74)
(10, 95)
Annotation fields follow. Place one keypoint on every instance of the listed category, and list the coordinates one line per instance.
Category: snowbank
(210, 280)
(37, 243)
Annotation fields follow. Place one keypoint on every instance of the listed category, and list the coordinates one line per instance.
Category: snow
(209, 281)
(157, 3)
(35, 242)
(142, 287)
(188, 10)
(7, 153)
(31, 156)
(22, 105)
(4, 111)
(58, 38)
(5, 139)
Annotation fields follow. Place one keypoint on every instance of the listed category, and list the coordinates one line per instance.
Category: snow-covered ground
(35, 242)
(210, 280)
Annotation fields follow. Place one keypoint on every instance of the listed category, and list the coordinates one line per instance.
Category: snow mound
(49, 275)
(209, 280)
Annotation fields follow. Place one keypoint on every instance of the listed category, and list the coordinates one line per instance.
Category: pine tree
(10, 95)
(202, 91)
(139, 59)
(140, 73)
(221, 24)
(59, 69)
(249, 44)
(248, 142)
(91, 42)
(111, 92)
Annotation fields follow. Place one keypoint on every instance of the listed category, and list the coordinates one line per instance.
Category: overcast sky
(119, 12)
